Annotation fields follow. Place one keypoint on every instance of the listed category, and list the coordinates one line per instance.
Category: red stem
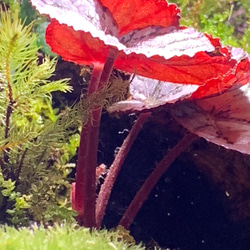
(85, 160)
(153, 178)
(108, 67)
(114, 170)
(85, 189)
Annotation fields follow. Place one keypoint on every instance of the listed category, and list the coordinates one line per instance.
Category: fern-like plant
(32, 136)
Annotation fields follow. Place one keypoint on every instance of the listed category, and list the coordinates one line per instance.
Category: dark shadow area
(185, 210)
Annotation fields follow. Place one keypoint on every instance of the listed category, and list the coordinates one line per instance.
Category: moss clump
(60, 238)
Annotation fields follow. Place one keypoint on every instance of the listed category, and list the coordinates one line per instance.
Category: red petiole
(85, 188)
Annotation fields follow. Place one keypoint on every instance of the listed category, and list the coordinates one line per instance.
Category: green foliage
(40, 26)
(36, 143)
(61, 237)
(217, 25)
(28, 14)
(14, 5)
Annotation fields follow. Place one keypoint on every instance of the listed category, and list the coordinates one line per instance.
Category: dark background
(189, 207)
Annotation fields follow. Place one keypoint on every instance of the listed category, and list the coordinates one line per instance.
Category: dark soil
(188, 209)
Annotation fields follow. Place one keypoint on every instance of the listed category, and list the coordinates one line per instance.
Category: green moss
(61, 237)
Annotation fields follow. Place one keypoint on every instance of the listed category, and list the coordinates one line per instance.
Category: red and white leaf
(148, 93)
(87, 16)
(93, 17)
(151, 31)
(147, 35)
(166, 42)
(81, 48)
(223, 119)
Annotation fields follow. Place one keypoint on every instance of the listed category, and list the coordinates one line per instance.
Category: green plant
(65, 237)
(35, 144)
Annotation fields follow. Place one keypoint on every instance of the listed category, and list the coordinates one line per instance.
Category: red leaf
(234, 78)
(137, 14)
(183, 69)
(69, 44)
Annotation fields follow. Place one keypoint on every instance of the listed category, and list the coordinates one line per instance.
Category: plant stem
(114, 170)
(85, 189)
(8, 115)
(85, 160)
(153, 178)
(108, 67)
(20, 167)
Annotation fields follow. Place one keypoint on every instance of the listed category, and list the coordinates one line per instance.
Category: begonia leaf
(91, 16)
(70, 46)
(236, 77)
(87, 16)
(223, 119)
(146, 34)
(148, 94)
(178, 69)
(175, 64)
(131, 15)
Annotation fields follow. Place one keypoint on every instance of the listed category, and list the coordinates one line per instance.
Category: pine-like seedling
(31, 134)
